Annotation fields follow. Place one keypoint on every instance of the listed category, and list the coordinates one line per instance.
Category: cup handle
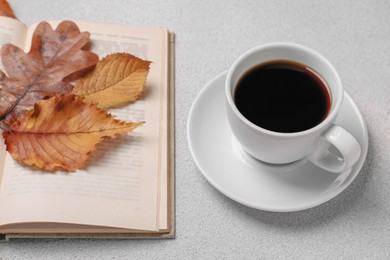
(344, 142)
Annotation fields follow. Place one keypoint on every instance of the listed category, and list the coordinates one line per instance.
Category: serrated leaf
(117, 79)
(61, 132)
(5, 9)
(55, 58)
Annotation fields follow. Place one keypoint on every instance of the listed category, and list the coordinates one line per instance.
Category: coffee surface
(283, 96)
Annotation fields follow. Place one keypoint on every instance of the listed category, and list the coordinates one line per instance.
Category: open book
(127, 187)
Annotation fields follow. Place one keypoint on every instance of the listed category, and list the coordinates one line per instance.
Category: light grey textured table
(353, 35)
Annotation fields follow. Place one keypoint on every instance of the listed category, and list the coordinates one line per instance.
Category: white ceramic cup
(314, 143)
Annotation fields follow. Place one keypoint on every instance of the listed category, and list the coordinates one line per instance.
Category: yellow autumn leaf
(117, 79)
(61, 132)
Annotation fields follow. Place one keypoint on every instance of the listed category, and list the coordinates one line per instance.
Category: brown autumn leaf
(55, 57)
(61, 132)
(5, 9)
(116, 80)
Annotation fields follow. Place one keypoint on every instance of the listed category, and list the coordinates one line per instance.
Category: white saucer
(279, 188)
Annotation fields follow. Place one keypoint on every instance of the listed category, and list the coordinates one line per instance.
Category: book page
(12, 31)
(120, 187)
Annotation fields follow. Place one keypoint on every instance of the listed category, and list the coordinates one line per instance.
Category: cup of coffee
(282, 102)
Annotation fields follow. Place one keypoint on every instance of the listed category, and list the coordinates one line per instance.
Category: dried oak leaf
(55, 57)
(116, 80)
(5, 9)
(61, 132)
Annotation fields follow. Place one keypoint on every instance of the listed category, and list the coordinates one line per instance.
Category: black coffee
(283, 96)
